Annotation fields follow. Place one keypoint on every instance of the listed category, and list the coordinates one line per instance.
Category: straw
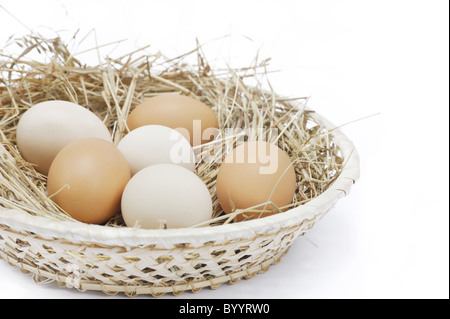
(113, 87)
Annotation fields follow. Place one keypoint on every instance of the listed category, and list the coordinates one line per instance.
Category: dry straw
(40, 238)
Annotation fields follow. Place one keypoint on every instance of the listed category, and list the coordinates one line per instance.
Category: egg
(87, 179)
(156, 144)
(165, 196)
(191, 117)
(251, 175)
(47, 127)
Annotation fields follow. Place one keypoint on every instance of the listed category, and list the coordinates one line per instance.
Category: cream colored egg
(156, 144)
(47, 127)
(165, 195)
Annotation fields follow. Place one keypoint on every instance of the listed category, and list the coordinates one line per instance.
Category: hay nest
(112, 89)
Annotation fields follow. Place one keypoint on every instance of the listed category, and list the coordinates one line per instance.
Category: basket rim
(125, 236)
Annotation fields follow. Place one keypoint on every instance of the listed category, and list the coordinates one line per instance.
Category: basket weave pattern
(147, 269)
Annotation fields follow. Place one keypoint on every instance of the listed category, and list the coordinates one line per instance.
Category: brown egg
(191, 117)
(253, 174)
(87, 179)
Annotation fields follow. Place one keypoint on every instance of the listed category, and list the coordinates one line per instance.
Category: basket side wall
(144, 269)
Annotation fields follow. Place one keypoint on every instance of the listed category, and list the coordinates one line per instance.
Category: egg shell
(156, 144)
(165, 195)
(47, 127)
(87, 179)
(191, 117)
(252, 174)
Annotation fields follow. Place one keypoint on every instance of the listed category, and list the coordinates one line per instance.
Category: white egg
(156, 144)
(47, 127)
(165, 195)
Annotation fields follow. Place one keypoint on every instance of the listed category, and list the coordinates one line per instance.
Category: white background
(390, 237)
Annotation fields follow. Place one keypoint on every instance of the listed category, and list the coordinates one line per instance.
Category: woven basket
(124, 260)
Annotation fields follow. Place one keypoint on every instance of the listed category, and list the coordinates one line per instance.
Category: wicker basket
(124, 260)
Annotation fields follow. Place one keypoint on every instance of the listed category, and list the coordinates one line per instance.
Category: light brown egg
(253, 174)
(87, 179)
(191, 117)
